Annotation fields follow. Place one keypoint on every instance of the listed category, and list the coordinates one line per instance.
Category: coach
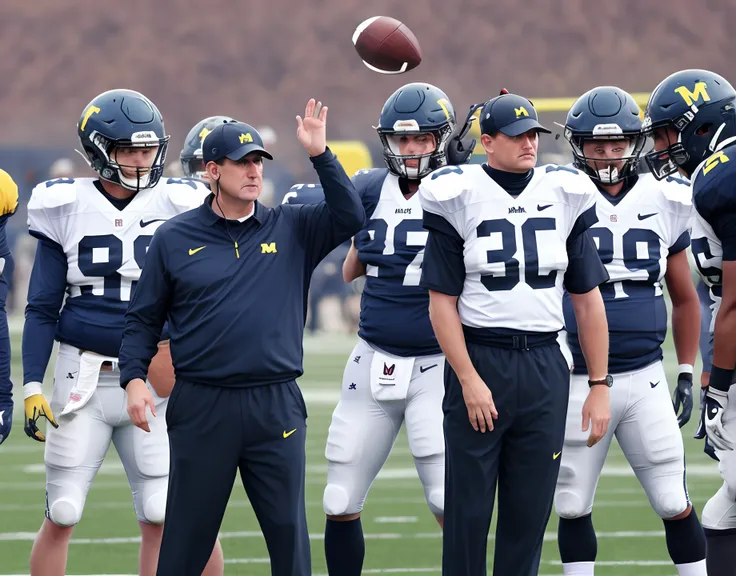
(231, 278)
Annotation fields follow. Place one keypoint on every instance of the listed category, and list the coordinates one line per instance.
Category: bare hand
(479, 400)
(311, 131)
(139, 396)
(597, 413)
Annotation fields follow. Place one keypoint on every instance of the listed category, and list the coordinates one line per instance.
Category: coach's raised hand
(311, 131)
(139, 396)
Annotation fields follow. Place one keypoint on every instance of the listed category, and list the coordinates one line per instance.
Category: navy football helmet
(605, 113)
(699, 106)
(416, 108)
(191, 153)
(123, 119)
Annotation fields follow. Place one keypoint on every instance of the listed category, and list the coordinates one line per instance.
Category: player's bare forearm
(449, 332)
(352, 268)
(590, 314)
(724, 346)
(685, 308)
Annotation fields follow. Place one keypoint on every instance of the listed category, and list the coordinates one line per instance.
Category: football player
(641, 235)
(8, 205)
(505, 240)
(394, 373)
(691, 116)
(191, 154)
(92, 240)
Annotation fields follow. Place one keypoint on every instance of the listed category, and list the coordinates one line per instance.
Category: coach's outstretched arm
(144, 322)
(584, 274)
(325, 226)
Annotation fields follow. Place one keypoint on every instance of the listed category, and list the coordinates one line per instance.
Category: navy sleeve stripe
(40, 236)
(585, 270)
(45, 297)
(584, 221)
(681, 243)
(438, 223)
(443, 268)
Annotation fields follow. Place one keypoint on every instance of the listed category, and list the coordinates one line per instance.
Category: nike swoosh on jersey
(654, 384)
(540, 207)
(289, 433)
(193, 251)
(645, 216)
(556, 455)
(423, 369)
(144, 223)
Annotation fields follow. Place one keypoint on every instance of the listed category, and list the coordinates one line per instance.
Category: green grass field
(401, 534)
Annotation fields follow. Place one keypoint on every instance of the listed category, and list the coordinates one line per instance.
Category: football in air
(386, 45)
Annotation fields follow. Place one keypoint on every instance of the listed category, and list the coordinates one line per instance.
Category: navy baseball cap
(509, 114)
(233, 140)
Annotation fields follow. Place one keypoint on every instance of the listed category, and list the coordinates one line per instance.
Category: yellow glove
(8, 194)
(36, 407)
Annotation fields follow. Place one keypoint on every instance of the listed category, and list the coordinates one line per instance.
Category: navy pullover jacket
(235, 293)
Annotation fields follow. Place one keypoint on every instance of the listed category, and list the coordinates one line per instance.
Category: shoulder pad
(51, 202)
(675, 190)
(366, 179)
(567, 177)
(56, 193)
(8, 194)
(714, 184)
(304, 194)
(185, 192)
(441, 191)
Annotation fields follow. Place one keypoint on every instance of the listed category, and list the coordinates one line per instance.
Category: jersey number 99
(102, 257)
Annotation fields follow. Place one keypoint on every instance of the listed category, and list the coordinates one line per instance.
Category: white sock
(586, 569)
(692, 569)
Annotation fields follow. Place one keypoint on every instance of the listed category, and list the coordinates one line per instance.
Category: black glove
(700, 432)
(6, 416)
(458, 152)
(683, 396)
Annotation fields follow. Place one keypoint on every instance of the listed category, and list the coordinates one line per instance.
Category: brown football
(386, 45)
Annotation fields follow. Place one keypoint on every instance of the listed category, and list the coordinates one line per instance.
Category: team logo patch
(118, 222)
(613, 218)
(388, 370)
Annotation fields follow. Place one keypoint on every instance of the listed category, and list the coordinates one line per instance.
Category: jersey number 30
(505, 254)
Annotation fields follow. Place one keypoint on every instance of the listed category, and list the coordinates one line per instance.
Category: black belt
(508, 339)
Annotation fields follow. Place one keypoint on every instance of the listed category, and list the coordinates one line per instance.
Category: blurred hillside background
(260, 61)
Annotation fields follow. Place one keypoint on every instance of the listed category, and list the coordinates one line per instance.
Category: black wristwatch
(607, 381)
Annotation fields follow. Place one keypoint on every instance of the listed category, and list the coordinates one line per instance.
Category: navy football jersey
(714, 225)
(394, 310)
(635, 234)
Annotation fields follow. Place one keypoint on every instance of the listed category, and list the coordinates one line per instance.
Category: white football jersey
(515, 249)
(106, 247)
(634, 236)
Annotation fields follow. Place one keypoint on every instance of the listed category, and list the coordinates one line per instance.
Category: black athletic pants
(215, 431)
(521, 455)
